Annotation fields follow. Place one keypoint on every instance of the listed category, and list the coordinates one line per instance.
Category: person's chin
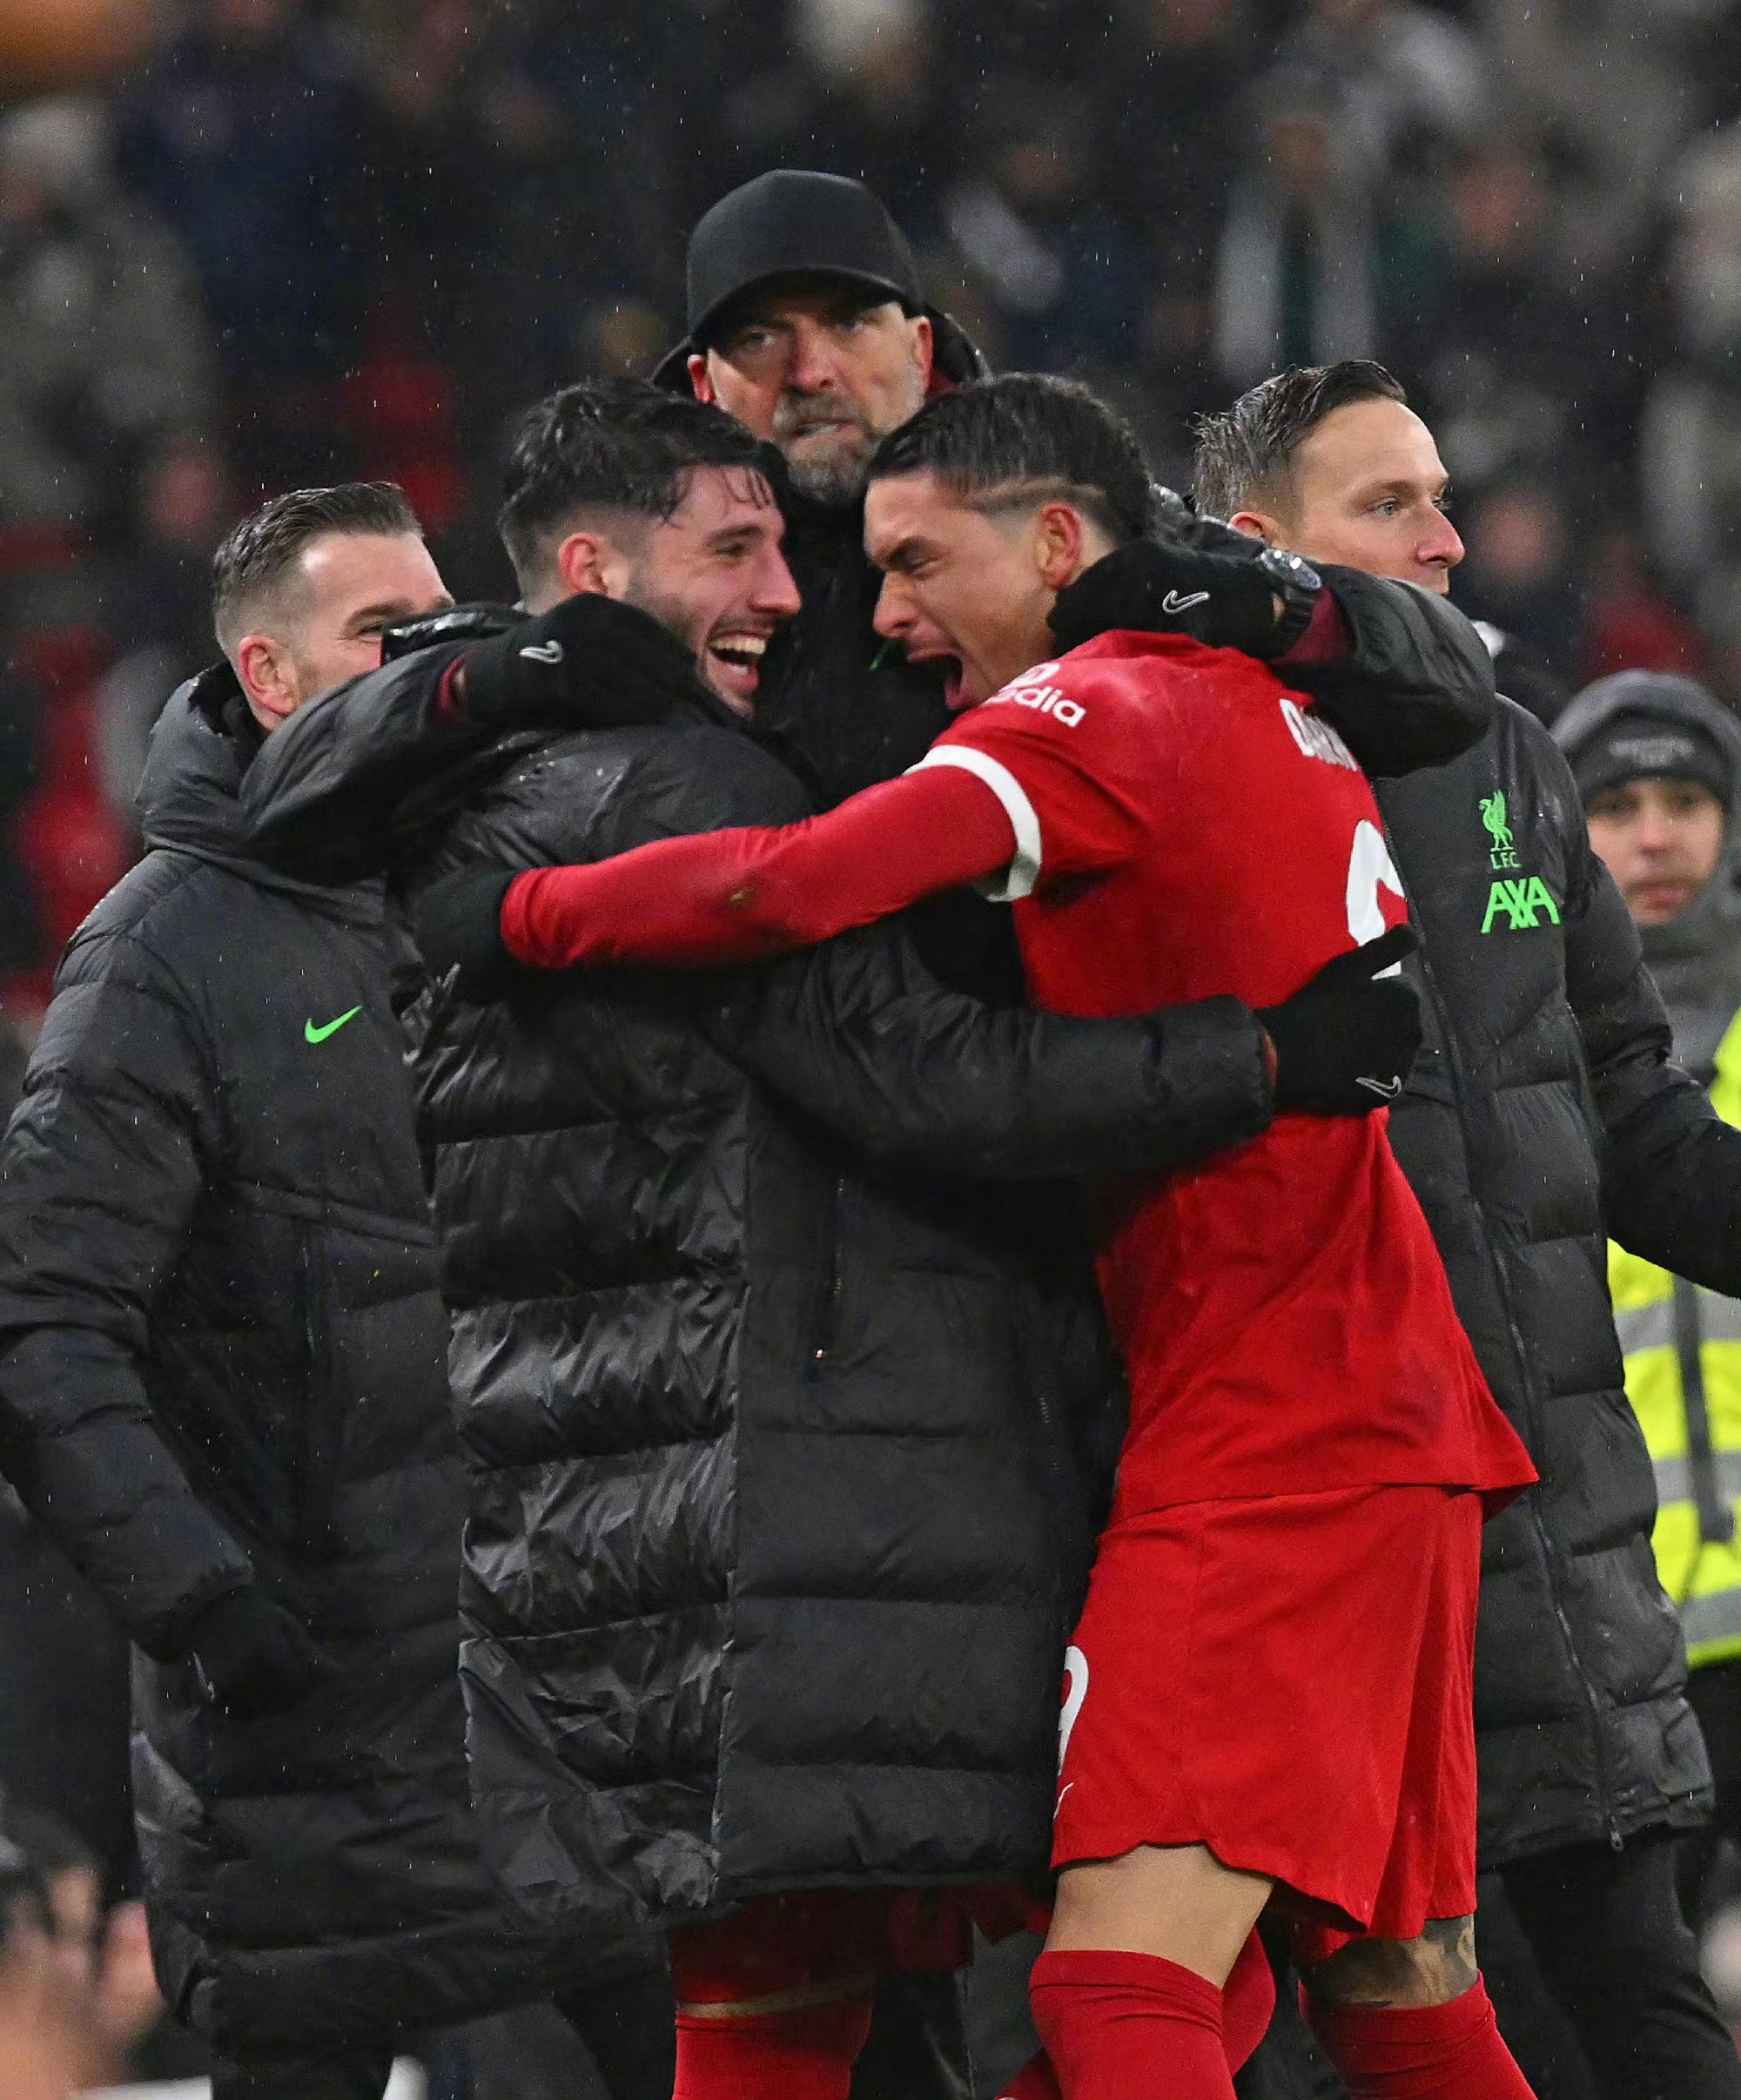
(830, 468)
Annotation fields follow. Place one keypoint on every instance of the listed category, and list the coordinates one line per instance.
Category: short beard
(834, 479)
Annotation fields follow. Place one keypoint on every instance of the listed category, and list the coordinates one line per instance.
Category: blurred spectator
(1407, 78)
(185, 503)
(239, 134)
(1690, 452)
(1031, 225)
(1296, 276)
(1631, 623)
(1505, 348)
(1518, 572)
(106, 347)
(1171, 124)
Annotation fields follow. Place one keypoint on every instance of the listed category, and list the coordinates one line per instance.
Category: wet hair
(1242, 455)
(258, 554)
(1026, 439)
(610, 445)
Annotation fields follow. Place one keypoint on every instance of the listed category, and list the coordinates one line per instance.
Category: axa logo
(1316, 738)
(1033, 689)
(1522, 903)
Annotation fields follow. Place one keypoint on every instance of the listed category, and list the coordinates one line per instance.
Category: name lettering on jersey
(1316, 738)
(1520, 900)
(1033, 689)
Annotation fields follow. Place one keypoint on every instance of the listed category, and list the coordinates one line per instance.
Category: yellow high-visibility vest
(1660, 1321)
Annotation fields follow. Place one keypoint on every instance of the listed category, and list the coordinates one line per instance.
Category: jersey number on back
(1369, 866)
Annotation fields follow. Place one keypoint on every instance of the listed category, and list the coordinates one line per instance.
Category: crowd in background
(303, 240)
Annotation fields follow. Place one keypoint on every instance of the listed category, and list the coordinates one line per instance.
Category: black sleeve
(857, 1034)
(1671, 1165)
(99, 1176)
(860, 1036)
(1416, 689)
(332, 788)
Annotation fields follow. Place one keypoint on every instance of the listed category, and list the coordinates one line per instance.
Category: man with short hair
(1543, 1027)
(1310, 1442)
(223, 1386)
(674, 1301)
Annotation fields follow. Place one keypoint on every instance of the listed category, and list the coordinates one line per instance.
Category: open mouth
(734, 663)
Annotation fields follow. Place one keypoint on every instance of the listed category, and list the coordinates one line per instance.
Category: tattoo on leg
(1383, 1975)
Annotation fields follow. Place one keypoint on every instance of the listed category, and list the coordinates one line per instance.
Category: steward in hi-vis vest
(1656, 758)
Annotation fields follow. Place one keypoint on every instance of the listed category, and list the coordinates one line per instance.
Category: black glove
(590, 663)
(1344, 1042)
(457, 923)
(1223, 600)
(478, 622)
(251, 1656)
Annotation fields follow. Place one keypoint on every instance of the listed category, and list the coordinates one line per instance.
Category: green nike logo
(313, 1034)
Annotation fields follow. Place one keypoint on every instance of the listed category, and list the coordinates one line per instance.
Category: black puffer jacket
(1542, 1111)
(225, 1364)
(775, 1536)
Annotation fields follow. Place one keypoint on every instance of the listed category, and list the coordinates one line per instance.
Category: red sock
(1130, 2026)
(1248, 2004)
(1432, 2052)
(803, 2055)
(1036, 2080)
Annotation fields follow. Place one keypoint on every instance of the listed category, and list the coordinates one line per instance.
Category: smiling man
(222, 1383)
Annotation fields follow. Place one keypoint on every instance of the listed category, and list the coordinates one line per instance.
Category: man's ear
(701, 381)
(592, 562)
(1259, 525)
(1063, 546)
(267, 678)
(925, 349)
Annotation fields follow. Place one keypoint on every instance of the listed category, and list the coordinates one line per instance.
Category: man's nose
(1442, 542)
(815, 368)
(776, 592)
(894, 613)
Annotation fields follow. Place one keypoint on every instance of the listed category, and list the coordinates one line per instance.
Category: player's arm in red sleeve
(739, 895)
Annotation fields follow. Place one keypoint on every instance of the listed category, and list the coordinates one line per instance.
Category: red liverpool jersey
(1185, 826)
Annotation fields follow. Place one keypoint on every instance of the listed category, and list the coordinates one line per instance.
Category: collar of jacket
(203, 742)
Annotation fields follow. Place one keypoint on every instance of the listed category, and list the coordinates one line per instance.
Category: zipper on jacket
(825, 1320)
(1454, 1066)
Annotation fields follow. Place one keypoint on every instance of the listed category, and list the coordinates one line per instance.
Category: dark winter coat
(776, 1532)
(1541, 1113)
(225, 1364)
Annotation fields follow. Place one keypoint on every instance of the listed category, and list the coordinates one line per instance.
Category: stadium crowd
(345, 245)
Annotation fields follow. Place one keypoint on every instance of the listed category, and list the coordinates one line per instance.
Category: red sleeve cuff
(1327, 637)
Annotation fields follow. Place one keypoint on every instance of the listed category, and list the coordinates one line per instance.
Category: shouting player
(1269, 1694)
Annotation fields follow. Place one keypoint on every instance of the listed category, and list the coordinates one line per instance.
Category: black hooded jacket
(777, 1531)
(225, 1363)
(1541, 1113)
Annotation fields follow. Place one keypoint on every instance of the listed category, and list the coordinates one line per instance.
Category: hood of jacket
(1696, 959)
(186, 802)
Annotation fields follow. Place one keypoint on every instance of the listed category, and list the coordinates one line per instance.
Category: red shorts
(1290, 1682)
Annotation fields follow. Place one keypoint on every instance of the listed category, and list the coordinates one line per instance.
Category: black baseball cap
(790, 222)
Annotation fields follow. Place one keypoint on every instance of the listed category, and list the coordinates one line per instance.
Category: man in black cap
(807, 323)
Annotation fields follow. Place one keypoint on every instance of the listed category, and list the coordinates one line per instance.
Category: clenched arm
(99, 1176)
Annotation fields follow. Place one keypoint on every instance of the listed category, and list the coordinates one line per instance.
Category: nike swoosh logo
(1386, 1089)
(542, 652)
(1173, 603)
(313, 1034)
